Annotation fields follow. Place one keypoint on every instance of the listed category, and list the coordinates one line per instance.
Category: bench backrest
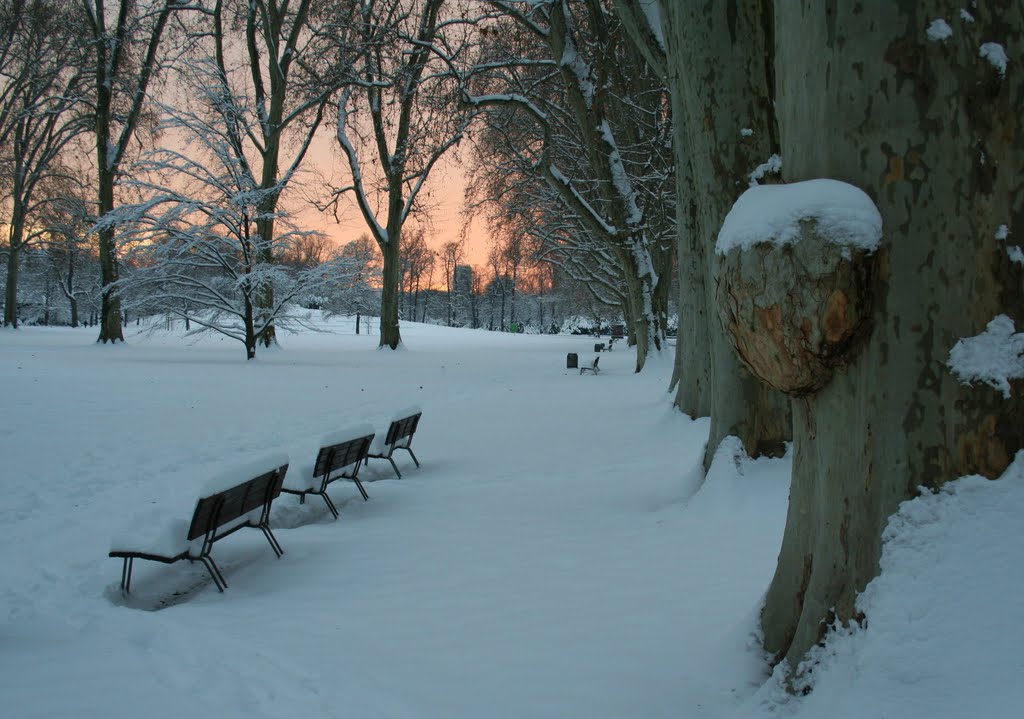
(336, 456)
(401, 428)
(223, 507)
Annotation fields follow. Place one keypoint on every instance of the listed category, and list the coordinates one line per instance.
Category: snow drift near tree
(944, 619)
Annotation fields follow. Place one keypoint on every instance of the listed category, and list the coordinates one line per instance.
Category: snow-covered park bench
(339, 457)
(592, 367)
(237, 499)
(399, 436)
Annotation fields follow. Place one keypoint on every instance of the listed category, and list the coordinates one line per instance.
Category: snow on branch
(993, 357)
(773, 165)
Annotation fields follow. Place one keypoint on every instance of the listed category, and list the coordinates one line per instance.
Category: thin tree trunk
(11, 291)
(251, 339)
(390, 334)
(72, 300)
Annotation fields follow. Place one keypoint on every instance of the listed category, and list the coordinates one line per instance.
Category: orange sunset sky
(445, 186)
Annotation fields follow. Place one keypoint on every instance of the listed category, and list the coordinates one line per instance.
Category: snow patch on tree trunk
(994, 357)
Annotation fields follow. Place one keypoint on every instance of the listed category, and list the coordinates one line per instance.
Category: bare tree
(197, 241)
(398, 120)
(125, 40)
(40, 94)
(417, 261)
(450, 255)
(603, 92)
(70, 245)
(292, 61)
(354, 292)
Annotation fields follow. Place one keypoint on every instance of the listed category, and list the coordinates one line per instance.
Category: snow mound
(772, 214)
(943, 630)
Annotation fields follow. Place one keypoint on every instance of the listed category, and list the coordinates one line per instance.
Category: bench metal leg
(409, 450)
(395, 466)
(274, 544)
(330, 505)
(126, 575)
(362, 490)
(214, 571)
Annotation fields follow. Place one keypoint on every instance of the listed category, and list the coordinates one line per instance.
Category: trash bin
(572, 361)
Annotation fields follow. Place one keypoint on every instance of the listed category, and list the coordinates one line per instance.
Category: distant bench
(592, 367)
(345, 449)
(399, 436)
(229, 506)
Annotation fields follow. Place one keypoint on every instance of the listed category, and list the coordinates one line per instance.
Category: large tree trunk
(720, 75)
(932, 132)
(692, 373)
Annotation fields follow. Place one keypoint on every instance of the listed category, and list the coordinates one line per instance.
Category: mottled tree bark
(931, 130)
(720, 73)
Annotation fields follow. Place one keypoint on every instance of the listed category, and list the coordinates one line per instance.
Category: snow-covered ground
(553, 557)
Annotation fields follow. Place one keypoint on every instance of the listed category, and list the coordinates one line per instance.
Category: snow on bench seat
(339, 456)
(239, 497)
(401, 426)
(300, 477)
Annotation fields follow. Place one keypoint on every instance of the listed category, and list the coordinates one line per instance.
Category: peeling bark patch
(895, 172)
(906, 56)
(837, 323)
(982, 451)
